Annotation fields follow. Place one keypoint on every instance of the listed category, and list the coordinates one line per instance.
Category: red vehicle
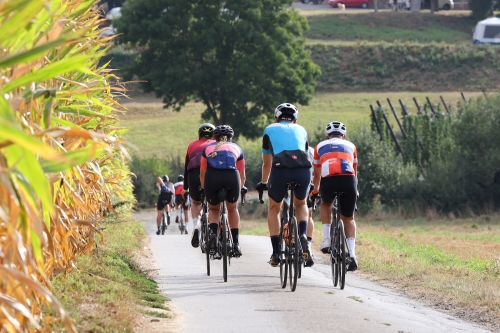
(350, 3)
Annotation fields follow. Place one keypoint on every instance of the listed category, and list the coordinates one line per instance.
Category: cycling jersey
(336, 157)
(287, 142)
(193, 157)
(179, 187)
(229, 157)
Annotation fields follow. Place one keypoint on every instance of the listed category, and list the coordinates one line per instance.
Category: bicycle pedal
(306, 256)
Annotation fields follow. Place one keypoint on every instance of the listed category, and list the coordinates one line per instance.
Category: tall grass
(61, 167)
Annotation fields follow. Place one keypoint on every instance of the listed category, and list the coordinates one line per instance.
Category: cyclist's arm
(240, 165)
(317, 178)
(186, 162)
(160, 181)
(267, 162)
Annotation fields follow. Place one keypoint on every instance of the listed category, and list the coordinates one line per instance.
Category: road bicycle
(224, 236)
(182, 225)
(339, 250)
(164, 218)
(291, 252)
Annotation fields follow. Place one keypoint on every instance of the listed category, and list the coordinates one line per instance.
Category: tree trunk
(415, 5)
(375, 5)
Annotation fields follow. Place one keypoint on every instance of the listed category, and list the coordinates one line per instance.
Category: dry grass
(448, 263)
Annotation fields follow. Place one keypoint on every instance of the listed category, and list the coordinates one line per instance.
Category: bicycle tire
(224, 245)
(205, 226)
(283, 255)
(163, 225)
(334, 250)
(294, 253)
(342, 254)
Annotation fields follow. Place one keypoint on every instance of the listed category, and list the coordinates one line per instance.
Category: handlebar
(244, 190)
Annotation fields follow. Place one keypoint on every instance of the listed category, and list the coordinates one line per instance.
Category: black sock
(309, 239)
(213, 227)
(302, 228)
(275, 241)
(235, 232)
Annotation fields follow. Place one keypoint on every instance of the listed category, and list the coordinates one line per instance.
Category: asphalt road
(253, 301)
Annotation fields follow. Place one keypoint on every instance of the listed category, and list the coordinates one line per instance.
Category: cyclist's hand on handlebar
(261, 187)
(184, 192)
(314, 195)
(201, 190)
(244, 190)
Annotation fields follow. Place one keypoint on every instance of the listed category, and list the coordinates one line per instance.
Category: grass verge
(452, 264)
(108, 290)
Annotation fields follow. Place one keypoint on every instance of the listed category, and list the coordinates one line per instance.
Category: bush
(120, 57)
(481, 9)
(146, 170)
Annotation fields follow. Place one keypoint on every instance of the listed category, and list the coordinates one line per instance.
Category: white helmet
(287, 109)
(335, 127)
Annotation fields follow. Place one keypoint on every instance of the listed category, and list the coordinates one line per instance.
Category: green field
(390, 26)
(165, 133)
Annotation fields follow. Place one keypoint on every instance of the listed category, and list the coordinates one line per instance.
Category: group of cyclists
(214, 161)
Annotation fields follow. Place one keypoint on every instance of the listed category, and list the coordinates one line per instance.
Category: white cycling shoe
(325, 245)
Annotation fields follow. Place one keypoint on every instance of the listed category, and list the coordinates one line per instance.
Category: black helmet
(206, 130)
(222, 130)
(180, 178)
(287, 111)
(165, 178)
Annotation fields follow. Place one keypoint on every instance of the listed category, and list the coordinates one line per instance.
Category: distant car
(350, 3)
(108, 31)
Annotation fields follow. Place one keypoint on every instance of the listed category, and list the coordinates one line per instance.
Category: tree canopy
(240, 58)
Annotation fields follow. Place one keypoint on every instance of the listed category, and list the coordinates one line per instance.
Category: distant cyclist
(192, 175)
(165, 196)
(223, 165)
(181, 202)
(335, 166)
(285, 158)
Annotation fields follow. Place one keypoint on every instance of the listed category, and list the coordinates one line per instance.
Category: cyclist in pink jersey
(223, 165)
(192, 176)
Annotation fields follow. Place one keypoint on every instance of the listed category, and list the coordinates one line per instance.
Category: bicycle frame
(339, 259)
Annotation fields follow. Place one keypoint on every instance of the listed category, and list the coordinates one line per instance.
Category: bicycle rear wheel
(224, 246)
(204, 238)
(334, 251)
(342, 254)
(294, 253)
(284, 251)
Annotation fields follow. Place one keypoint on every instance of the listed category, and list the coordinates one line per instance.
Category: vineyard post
(405, 113)
(390, 130)
(419, 111)
(432, 107)
(397, 119)
(376, 123)
(463, 96)
(445, 106)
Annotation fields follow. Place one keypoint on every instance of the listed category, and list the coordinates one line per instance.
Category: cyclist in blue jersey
(285, 158)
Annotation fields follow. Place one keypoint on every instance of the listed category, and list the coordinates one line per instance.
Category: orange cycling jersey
(336, 157)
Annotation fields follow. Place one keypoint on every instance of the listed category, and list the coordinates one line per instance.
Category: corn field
(61, 161)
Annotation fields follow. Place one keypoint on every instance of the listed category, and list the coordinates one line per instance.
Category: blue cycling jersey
(288, 144)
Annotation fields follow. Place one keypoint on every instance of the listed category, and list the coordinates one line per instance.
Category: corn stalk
(61, 162)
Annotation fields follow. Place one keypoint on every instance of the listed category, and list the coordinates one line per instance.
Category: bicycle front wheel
(224, 246)
(342, 255)
(294, 255)
(283, 250)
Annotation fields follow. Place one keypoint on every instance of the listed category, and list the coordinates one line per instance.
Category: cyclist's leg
(184, 208)
(213, 181)
(233, 183)
(276, 192)
(347, 206)
(196, 207)
(303, 178)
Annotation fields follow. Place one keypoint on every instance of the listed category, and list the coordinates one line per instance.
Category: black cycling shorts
(163, 200)
(346, 185)
(194, 183)
(215, 179)
(179, 199)
(279, 177)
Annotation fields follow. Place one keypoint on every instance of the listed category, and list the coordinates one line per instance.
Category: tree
(240, 58)
(481, 9)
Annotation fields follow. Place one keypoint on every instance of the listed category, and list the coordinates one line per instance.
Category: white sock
(351, 243)
(326, 231)
(196, 224)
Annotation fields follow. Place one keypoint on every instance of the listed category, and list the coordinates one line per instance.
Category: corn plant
(61, 162)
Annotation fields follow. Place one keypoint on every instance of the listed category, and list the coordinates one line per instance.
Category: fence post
(463, 96)
(419, 111)
(405, 113)
(392, 134)
(432, 107)
(445, 106)
(397, 119)
(376, 123)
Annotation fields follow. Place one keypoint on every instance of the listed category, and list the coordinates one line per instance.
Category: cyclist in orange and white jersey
(181, 202)
(335, 166)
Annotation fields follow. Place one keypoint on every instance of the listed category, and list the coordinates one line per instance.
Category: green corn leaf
(73, 158)
(80, 111)
(48, 72)
(22, 17)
